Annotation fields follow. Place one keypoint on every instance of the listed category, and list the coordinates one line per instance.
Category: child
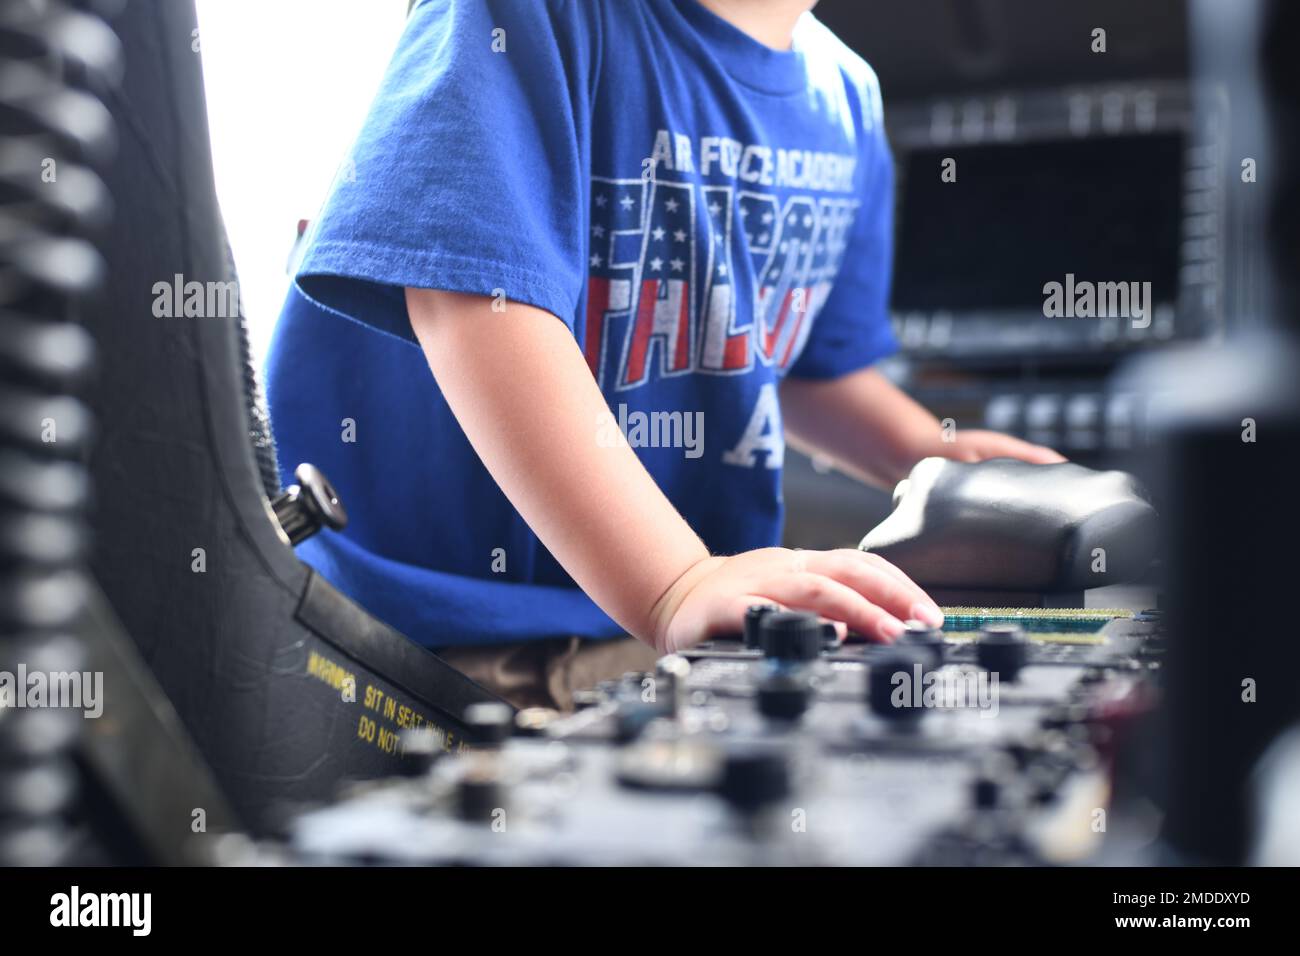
(639, 243)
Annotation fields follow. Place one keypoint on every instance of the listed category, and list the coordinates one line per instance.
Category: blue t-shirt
(706, 214)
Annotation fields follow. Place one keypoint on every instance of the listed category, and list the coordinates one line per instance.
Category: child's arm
(873, 430)
(520, 388)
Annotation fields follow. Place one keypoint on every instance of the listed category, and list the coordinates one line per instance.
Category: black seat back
(286, 685)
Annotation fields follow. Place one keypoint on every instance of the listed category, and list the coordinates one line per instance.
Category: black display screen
(1021, 215)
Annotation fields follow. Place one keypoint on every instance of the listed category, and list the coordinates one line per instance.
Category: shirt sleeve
(467, 174)
(853, 329)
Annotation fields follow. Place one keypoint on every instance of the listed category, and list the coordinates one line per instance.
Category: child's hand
(521, 389)
(873, 430)
(863, 591)
(978, 445)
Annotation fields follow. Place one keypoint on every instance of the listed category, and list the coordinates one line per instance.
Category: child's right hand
(860, 590)
(520, 387)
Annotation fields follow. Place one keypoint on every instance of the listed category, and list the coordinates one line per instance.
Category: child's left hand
(873, 430)
(978, 445)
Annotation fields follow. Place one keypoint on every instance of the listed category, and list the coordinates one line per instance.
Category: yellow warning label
(384, 716)
(324, 669)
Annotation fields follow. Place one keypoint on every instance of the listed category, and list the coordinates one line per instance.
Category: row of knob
(753, 774)
(791, 639)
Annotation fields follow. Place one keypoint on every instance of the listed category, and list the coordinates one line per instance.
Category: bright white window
(288, 83)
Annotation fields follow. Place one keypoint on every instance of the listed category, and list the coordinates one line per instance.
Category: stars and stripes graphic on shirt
(688, 278)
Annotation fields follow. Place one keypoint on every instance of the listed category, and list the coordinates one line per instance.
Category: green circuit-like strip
(1046, 624)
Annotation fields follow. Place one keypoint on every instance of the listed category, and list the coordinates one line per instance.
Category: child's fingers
(894, 592)
(888, 567)
(1041, 455)
(1010, 446)
(742, 604)
(733, 618)
(809, 591)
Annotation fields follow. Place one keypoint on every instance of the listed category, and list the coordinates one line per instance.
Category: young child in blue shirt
(639, 244)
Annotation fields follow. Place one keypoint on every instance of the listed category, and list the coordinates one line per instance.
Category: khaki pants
(545, 673)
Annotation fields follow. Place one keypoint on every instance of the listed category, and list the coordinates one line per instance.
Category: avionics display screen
(1021, 215)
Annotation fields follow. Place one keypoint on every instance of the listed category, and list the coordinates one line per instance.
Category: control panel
(986, 742)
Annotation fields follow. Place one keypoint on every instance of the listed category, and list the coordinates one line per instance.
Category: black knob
(754, 776)
(783, 696)
(489, 723)
(1002, 650)
(632, 718)
(480, 793)
(311, 504)
(671, 673)
(992, 780)
(754, 615)
(985, 792)
(923, 637)
(791, 636)
(421, 748)
(894, 688)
